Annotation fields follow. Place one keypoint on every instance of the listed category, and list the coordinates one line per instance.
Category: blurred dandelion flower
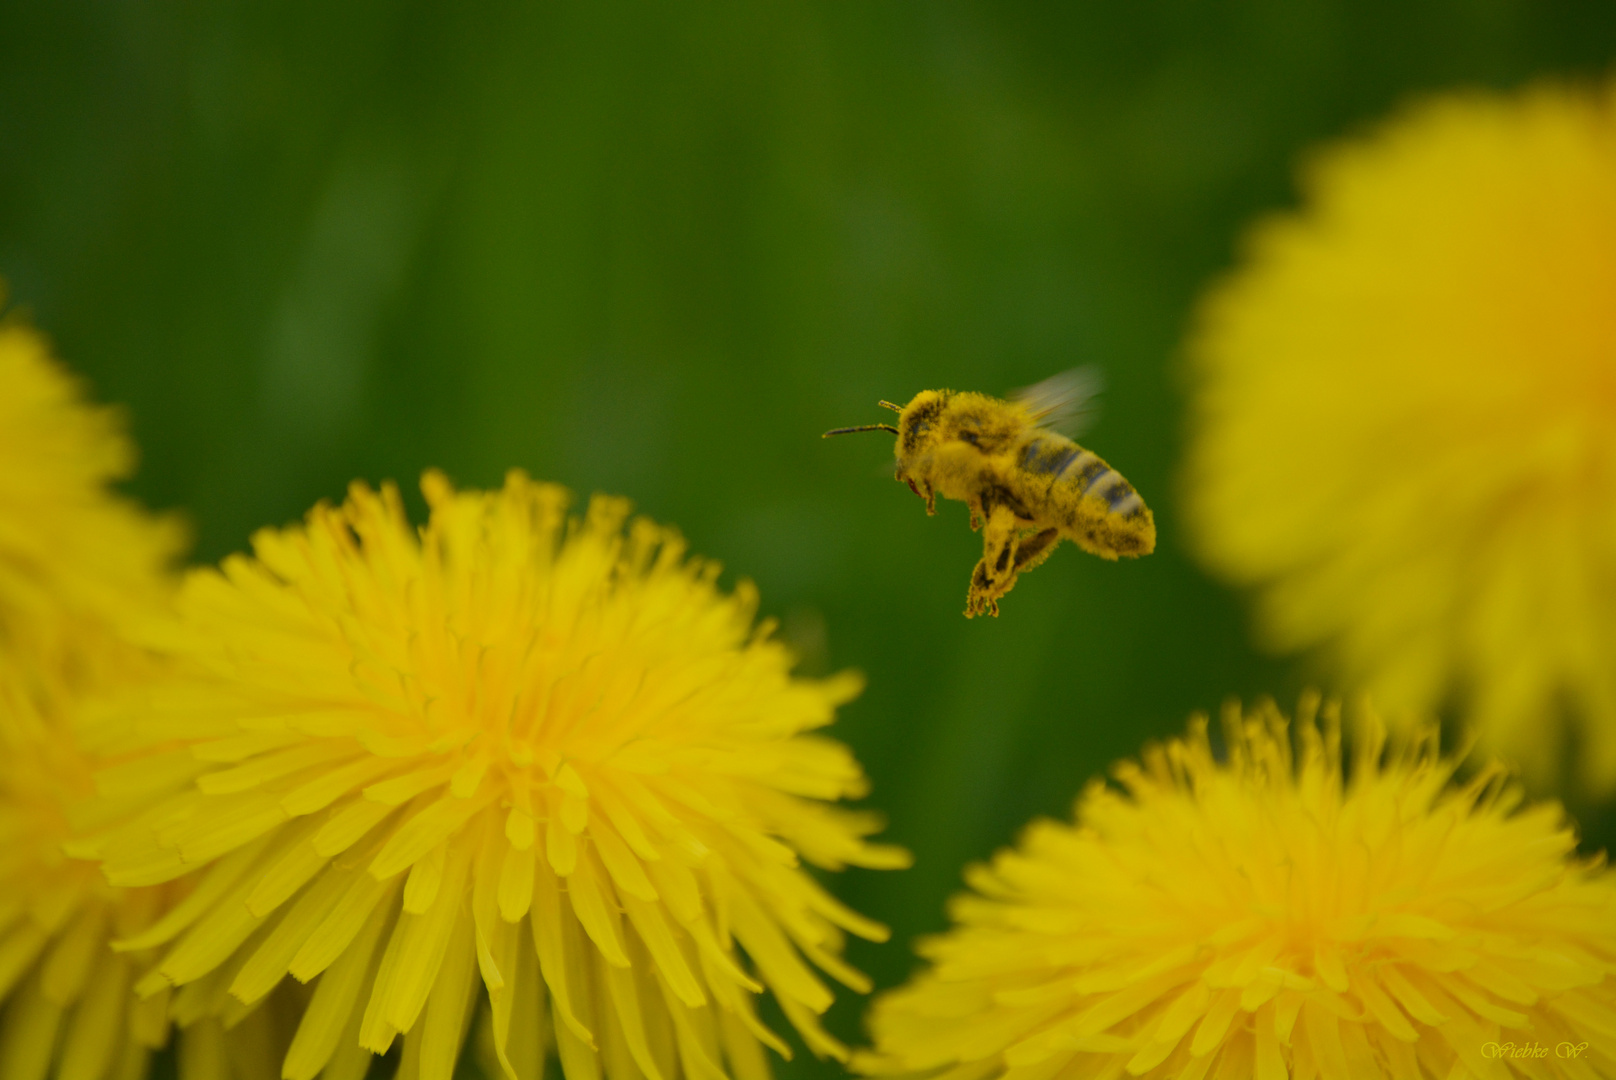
(77, 566)
(1404, 428)
(550, 752)
(71, 552)
(68, 1007)
(1260, 916)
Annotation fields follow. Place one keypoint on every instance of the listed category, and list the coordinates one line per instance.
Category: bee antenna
(889, 405)
(861, 427)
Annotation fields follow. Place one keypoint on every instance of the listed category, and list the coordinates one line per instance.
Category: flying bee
(1024, 479)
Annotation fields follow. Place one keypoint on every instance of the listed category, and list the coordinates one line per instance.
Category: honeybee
(1012, 462)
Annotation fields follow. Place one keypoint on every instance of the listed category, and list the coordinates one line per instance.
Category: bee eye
(970, 437)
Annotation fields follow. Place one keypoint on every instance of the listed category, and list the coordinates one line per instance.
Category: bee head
(921, 422)
(924, 425)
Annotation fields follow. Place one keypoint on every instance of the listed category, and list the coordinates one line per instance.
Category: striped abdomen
(1081, 473)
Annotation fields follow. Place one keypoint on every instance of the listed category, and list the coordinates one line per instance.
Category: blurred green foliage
(657, 249)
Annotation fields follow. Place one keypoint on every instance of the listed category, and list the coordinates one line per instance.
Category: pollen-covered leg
(995, 575)
(1035, 549)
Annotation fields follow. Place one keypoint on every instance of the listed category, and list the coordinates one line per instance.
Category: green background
(657, 249)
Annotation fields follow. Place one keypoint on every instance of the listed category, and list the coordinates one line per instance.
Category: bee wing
(1067, 402)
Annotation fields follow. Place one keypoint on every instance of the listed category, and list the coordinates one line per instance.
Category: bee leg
(981, 599)
(1035, 549)
(996, 573)
(930, 495)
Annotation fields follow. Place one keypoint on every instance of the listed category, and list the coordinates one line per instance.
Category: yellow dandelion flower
(544, 751)
(1255, 914)
(68, 547)
(1405, 420)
